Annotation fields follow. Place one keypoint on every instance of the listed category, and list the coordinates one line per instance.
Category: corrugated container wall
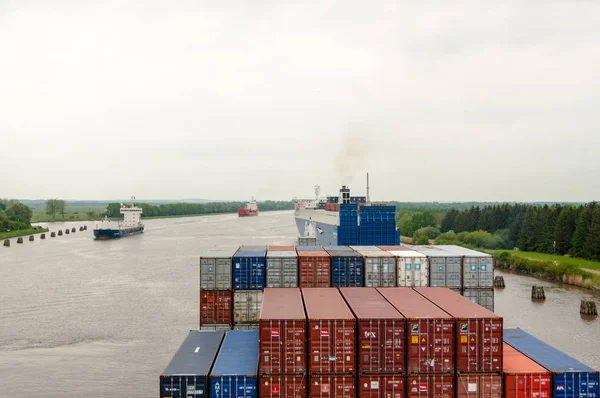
(215, 269)
(381, 331)
(412, 268)
(430, 385)
(188, 371)
(524, 378)
(246, 306)
(347, 269)
(478, 268)
(483, 297)
(430, 331)
(281, 248)
(216, 307)
(314, 269)
(571, 378)
(314, 248)
(479, 385)
(236, 367)
(445, 269)
(380, 266)
(249, 269)
(282, 268)
(478, 331)
(331, 332)
(381, 386)
(282, 328)
(332, 386)
(282, 386)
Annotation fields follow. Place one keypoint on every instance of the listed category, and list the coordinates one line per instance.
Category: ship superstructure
(130, 225)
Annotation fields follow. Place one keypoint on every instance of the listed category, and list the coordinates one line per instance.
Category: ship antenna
(368, 197)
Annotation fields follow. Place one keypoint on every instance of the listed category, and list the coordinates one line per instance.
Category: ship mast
(368, 197)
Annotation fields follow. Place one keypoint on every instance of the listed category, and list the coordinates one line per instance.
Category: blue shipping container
(249, 270)
(347, 269)
(570, 378)
(187, 373)
(236, 368)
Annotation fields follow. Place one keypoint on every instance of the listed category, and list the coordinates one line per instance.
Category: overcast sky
(438, 100)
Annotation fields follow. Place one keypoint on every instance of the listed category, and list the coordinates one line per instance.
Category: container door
(470, 272)
(486, 272)
(388, 272)
(274, 271)
(370, 341)
(290, 272)
(371, 272)
(437, 272)
(257, 272)
(454, 272)
(401, 271)
(323, 272)
(223, 276)
(207, 274)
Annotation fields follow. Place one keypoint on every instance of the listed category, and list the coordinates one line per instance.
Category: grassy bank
(22, 232)
(572, 271)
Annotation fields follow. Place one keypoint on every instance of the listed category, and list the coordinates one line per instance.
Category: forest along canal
(89, 318)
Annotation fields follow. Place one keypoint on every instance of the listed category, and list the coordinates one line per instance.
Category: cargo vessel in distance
(131, 224)
(251, 209)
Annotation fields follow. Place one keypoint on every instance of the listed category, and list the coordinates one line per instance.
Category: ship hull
(104, 234)
(247, 213)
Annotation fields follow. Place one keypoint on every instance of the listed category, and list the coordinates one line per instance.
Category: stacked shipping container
(282, 266)
(478, 344)
(380, 339)
(523, 378)
(570, 378)
(282, 346)
(380, 266)
(314, 268)
(216, 293)
(235, 370)
(331, 344)
(445, 268)
(248, 283)
(412, 268)
(377, 225)
(347, 268)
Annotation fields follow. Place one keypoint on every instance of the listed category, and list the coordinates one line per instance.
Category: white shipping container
(380, 266)
(413, 268)
(246, 306)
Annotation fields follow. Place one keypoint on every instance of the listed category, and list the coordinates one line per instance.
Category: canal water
(80, 317)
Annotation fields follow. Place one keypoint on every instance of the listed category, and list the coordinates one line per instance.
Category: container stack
(445, 268)
(478, 275)
(331, 344)
(282, 346)
(314, 267)
(347, 268)
(478, 344)
(523, 378)
(429, 343)
(412, 268)
(282, 266)
(235, 372)
(347, 231)
(216, 293)
(380, 266)
(381, 352)
(377, 225)
(248, 284)
(570, 378)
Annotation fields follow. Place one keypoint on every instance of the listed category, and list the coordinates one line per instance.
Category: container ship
(131, 224)
(346, 220)
(251, 209)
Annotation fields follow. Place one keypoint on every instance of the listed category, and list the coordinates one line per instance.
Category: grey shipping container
(483, 297)
(478, 268)
(304, 241)
(380, 266)
(215, 269)
(445, 268)
(246, 326)
(215, 327)
(187, 373)
(246, 306)
(282, 269)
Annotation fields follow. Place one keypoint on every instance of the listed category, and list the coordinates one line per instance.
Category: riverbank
(22, 232)
(571, 271)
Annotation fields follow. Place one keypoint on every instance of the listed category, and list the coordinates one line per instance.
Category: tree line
(575, 230)
(14, 216)
(188, 209)
(54, 207)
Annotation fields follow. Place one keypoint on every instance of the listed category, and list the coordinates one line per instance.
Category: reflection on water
(91, 318)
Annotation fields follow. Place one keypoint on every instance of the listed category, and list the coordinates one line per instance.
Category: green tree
(51, 208)
(581, 232)
(564, 229)
(60, 207)
(591, 246)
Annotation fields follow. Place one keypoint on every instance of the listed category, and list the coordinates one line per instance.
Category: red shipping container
(524, 378)
(315, 269)
(431, 385)
(430, 337)
(332, 386)
(216, 307)
(281, 248)
(478, 331)
(381, 331)
(282, 386)
(381, 386)
(331, 332)
(478, 385)
(282, 326)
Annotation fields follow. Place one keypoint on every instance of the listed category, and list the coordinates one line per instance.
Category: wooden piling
(19, 240)
(73, 229)
(537, 293)
(31, 238)
(52, 234)
(67, 231)
(80, 228)
(60, 232)
(7, 243)
(588, 307)
(499, 281)
(43, 236)
(85, 227)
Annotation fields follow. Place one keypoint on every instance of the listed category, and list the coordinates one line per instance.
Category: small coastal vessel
(130, 225)
(251, 209)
